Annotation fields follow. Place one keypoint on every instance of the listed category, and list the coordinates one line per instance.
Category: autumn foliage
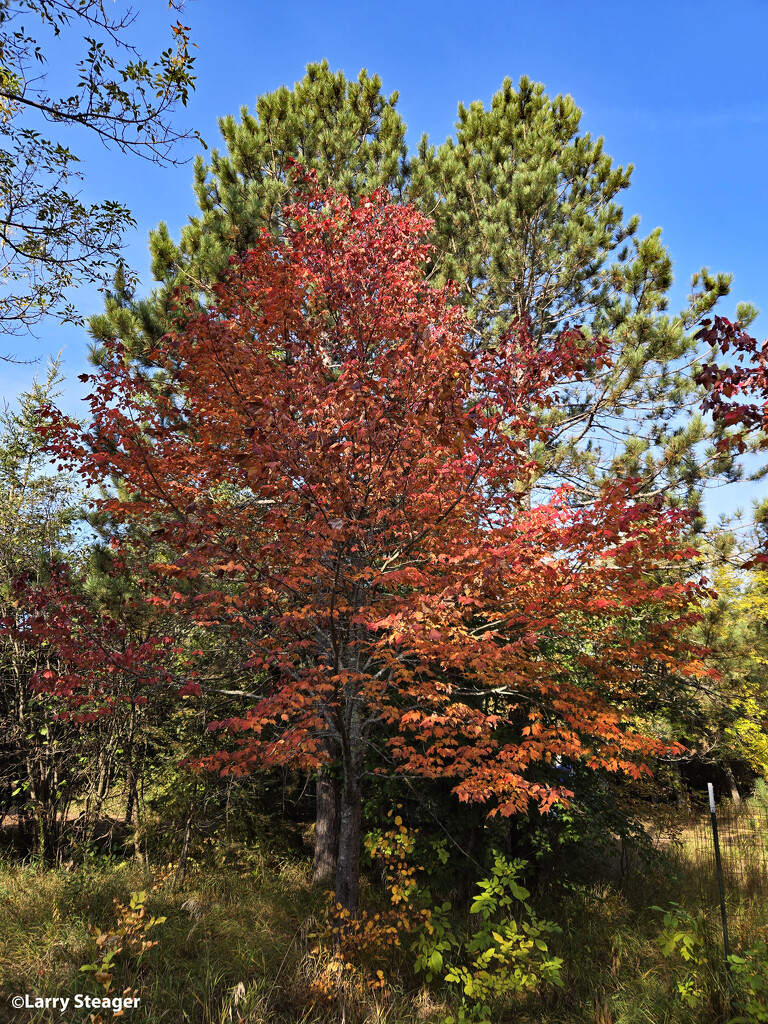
(737, 395)
(327, 464)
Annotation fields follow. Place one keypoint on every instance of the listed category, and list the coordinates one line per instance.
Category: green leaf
(436, 962)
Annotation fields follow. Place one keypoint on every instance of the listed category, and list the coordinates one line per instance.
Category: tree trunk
(735, 794)
(678, 785)
(130, 803)
(132, 811)
(130, 770)
(181, 871)
(348, 864)
(326, 828)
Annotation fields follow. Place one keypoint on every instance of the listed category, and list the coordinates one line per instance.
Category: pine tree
(528, 223)
(348, 132)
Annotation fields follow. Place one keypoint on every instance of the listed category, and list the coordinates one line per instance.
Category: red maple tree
(736, 395)
(334, 469)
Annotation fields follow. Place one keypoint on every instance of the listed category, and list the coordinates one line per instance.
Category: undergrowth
(249, 941)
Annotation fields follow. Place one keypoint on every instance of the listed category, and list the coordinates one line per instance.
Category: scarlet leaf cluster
(729, 386)
(99, 662)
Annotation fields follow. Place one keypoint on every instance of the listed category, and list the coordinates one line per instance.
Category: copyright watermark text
(116, 1003)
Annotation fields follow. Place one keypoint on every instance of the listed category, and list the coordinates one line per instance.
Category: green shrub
(503, 956)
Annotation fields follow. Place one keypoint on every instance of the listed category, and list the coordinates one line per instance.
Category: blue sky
(679, 89)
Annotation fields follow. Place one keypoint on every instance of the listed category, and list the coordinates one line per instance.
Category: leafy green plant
(434, 940)
(683, 937)
(750, 971)
(505, 955)
(129, 936)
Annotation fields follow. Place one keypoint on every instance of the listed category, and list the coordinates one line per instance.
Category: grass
(230, 926)
(237, 945)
